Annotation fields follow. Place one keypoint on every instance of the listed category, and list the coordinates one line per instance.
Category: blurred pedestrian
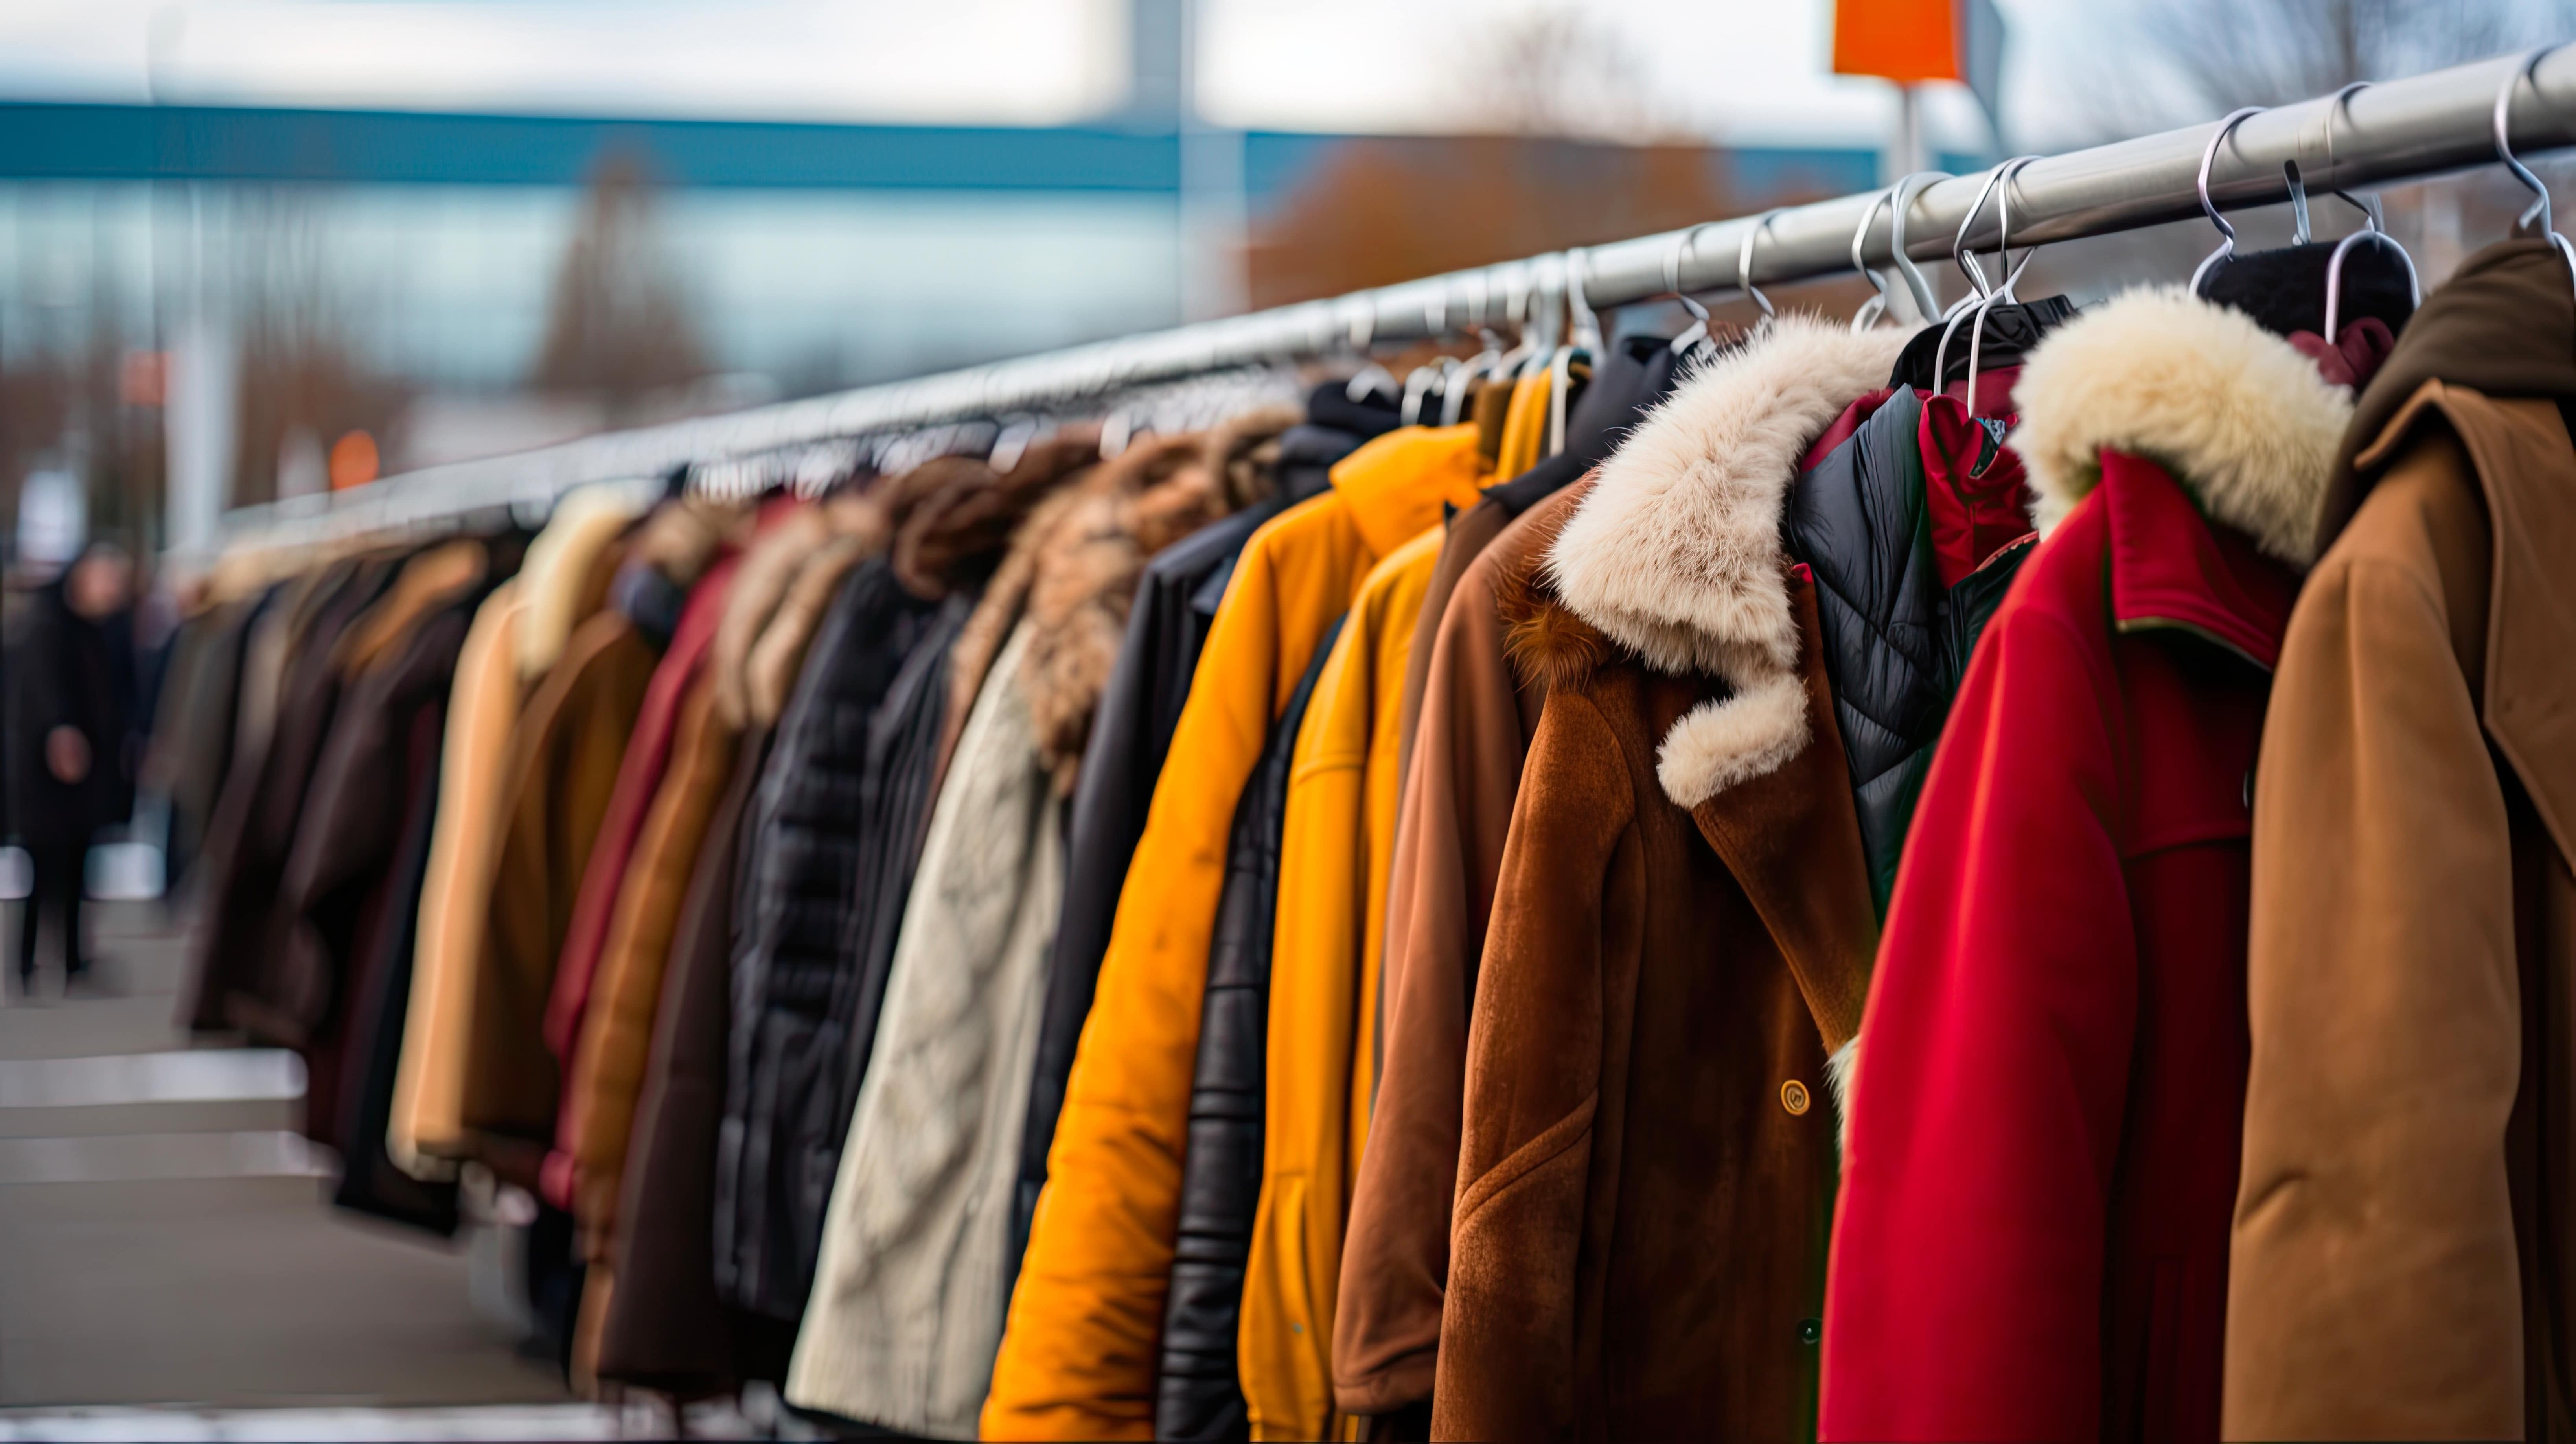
(70, 739)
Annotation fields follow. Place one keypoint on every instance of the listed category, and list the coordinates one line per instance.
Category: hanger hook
(2334, 273)
(2539, 209)
(2335, 105)
(2208, 158)
(1964, 258)
(2012, 169)
(1901, 201)
(1578, 277)
(1876, 306)
(2299, 235)
(1744, 261)
(1683, 244)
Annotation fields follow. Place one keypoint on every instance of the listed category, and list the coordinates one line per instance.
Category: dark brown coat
(564, 755)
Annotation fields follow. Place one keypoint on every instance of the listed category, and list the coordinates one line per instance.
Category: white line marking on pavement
(150, 1157)
(206, 1075)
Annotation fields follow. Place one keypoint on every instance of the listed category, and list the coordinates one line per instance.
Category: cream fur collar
(2244, 421)
(1676, 552)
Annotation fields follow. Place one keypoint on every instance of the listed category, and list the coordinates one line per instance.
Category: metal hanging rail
(2401, 130)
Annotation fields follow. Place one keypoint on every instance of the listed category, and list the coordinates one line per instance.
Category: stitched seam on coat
(1551, 1143)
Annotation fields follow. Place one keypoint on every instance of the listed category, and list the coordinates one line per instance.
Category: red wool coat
(2033, 1230)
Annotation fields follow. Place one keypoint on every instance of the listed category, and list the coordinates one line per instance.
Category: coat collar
(1792, 841)
(2171, 569)
(1395, 485)
(1676, 553)
(2234, 414)
(2526, 474)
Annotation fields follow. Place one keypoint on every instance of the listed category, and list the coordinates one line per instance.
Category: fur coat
(1681, 933)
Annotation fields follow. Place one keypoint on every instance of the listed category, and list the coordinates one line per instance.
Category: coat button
(1793, 1096)
(1811, 1331)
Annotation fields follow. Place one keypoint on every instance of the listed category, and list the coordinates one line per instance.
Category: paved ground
(173, 1248)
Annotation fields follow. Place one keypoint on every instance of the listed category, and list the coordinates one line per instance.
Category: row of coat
(1799, 884)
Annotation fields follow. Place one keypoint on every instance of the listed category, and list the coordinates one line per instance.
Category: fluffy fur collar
(1074, 564)
(1676, 556)
(2241, 418)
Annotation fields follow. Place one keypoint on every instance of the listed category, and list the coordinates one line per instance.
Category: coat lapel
(1792, 841)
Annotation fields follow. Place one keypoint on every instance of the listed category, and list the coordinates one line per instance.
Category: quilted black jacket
(1896, 642)
(795, 923)
(1200, 1396)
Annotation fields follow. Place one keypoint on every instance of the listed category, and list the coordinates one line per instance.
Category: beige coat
(2400, 1266)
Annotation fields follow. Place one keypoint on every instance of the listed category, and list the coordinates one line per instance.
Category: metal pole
(2400, 130)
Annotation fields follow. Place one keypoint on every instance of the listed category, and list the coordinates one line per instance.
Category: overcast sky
(1751, 71)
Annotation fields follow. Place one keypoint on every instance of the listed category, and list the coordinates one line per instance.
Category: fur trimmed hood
(1676, 553)
(956, 534)
(2241, 417)
(1074, 565)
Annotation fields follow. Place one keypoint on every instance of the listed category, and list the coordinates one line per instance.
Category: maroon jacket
(2033, 1229)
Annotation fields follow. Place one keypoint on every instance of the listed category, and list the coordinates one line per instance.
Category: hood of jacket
(1676, 553)
(2504, 325)
(1073, 569)
(2241, 418)
(956, 533)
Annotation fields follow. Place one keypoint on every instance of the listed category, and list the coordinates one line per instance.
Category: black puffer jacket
(1201, 1396)
(1896, 640)
(799, 887)
(1176, 602)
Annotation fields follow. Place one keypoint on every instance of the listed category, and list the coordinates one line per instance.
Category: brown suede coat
(1682, 933)
(1476, 716)
(2401, 1262)
(1647, 1155)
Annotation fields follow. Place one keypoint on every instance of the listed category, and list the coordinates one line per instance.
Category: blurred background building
(251, 248)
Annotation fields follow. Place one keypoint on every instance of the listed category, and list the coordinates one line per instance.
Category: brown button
(1793, 1096)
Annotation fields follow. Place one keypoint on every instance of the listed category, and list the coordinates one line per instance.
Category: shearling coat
(2401, 1230)
(2031, 1241)
(1478, 711)
(1681, 934)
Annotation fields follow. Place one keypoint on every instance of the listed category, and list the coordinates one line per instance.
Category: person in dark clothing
(69, 739)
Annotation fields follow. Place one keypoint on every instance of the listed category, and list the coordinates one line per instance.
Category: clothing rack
(2401, 130)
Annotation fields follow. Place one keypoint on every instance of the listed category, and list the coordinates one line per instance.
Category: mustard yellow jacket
(1079, 1349)
(1333, 870)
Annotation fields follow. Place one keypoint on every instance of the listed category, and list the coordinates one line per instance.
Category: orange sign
(1903, 40)
(353, 461)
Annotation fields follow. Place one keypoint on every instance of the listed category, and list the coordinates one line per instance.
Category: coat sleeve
(2373, 1286)
(1964, 1294)
(1506, 1365)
